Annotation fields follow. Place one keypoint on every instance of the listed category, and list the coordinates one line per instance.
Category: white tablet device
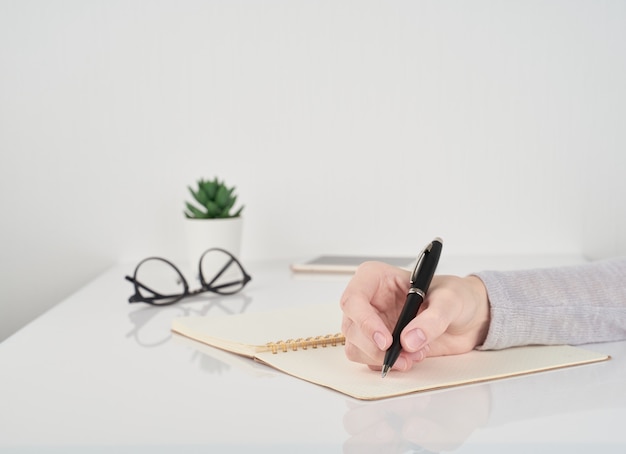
(347, 263)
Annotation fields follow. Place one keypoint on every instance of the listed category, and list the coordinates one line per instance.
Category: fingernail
(379, 339)
(401, 364)
(414, 339)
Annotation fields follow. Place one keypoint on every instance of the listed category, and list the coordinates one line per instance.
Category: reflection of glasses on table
(157, 281)
(152, 322)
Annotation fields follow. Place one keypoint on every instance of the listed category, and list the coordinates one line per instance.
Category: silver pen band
(418, 291)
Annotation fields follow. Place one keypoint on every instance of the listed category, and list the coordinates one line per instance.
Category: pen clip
(420, 260)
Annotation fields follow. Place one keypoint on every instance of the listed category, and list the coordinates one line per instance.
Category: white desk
(96, 374)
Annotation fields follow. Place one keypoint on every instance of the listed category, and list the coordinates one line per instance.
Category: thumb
(425, 329)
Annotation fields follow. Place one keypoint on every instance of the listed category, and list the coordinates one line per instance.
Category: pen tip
(385, 370)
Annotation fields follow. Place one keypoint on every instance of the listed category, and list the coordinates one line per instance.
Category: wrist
(482, 315)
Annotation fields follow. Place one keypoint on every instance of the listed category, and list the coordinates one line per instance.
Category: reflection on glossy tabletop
(96, 374)
(581, 406)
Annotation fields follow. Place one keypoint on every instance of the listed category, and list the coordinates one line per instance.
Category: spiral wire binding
(304, 343)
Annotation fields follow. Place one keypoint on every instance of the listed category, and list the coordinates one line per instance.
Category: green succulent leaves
(216, 200)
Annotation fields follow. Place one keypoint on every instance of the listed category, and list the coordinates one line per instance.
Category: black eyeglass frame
(205, 286)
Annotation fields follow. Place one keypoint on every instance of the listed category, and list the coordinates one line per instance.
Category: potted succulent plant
(212, 220)
(216, 201)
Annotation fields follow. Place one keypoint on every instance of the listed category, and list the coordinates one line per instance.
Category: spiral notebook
(305, 342)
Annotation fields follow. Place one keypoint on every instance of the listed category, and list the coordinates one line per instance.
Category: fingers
(454, 318)
(426, 329)
(438, 311)
(367, 337)
(369, 303)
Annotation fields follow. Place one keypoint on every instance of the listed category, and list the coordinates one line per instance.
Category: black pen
(420, 281)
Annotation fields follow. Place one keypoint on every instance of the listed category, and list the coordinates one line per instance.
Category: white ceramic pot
(203, 234)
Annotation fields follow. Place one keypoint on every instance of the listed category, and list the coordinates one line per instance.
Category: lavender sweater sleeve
(568, 305)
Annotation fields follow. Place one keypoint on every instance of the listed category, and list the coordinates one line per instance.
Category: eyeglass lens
(221, 273)
(159, 279)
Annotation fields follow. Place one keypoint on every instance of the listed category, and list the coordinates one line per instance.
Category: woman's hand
(454, 317)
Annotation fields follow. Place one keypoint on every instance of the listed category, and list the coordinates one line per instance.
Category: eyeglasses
(158, 282)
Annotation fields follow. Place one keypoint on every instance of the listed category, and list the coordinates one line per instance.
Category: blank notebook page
(326, 365)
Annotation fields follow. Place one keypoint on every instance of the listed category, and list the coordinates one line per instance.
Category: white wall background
(347, 126)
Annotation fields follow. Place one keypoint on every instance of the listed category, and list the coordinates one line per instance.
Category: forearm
(569, 305)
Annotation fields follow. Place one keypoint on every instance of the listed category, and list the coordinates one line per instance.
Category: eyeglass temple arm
(137, 297)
